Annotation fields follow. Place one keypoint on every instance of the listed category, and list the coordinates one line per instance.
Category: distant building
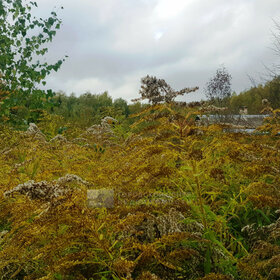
(248, 121)
(243, 110)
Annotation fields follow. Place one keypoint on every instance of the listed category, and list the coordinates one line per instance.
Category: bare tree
(273, 70)
(273, 83)
(253, 81)
(158, 91)
(276, 44)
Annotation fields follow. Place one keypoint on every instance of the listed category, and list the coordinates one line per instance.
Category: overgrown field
(190, 202)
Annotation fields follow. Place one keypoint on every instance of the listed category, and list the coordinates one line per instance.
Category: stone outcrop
(100, 198)
(108, 121)
(38, 190)
(148, 226)
(58, 139)
(103, 128)
(45, 191)
(35, 132)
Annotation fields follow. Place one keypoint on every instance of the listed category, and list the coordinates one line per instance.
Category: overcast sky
(111, 44)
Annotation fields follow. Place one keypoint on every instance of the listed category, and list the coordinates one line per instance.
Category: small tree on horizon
(218, 88)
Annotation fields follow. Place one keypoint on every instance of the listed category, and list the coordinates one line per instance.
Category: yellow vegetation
(183, 194)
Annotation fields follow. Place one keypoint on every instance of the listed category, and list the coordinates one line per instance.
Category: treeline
(253, 97)
(88, 109)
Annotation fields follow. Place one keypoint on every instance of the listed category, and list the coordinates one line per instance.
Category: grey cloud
(113, 43)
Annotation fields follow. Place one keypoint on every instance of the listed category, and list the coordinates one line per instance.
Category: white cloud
(158, 35)
(170, 9)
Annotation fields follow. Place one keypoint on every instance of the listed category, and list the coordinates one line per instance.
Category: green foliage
(253, 97)
(89, 109)
(22, 42)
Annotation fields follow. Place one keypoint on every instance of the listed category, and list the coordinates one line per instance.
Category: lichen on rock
(45, 191)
